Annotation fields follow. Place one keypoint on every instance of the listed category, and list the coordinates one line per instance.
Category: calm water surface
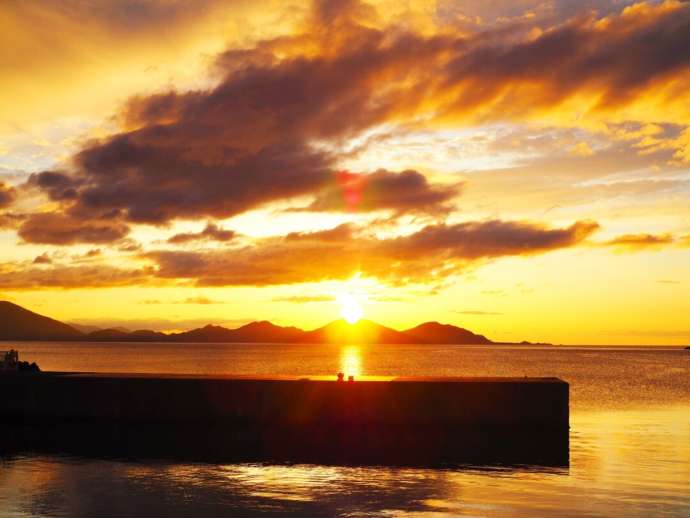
(629, 445)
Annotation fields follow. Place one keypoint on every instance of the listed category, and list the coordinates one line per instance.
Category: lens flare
(352, 185)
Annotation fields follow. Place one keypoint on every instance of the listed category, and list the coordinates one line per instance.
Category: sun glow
(350, 309)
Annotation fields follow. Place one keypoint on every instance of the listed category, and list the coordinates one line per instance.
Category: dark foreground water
(629, 444)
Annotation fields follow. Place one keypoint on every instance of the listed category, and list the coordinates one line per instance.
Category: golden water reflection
(629, 442)
(623, 462)
(351, 361)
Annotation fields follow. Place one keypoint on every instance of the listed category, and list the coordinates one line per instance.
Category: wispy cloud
(634, 241)
(304, 299)
(476, 312)
(189, 300)
(211, 232)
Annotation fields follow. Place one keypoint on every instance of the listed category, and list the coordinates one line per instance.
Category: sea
(629, 440)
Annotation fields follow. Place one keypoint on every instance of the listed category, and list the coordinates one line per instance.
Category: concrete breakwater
(389, 420)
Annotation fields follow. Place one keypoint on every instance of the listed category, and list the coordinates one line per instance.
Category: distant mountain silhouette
(365, 331)
(83, 327)
(86, 329)
(265, 331)
(209, 333)
(253, 332)
(433, 332)
(17, 323)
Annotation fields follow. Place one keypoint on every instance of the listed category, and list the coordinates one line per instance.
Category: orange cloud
(61, 229)
(11, 220)
(251, 139)
(433, 252)
(426, 256)
(44, 258)
(7, 195)
(641, 240)
(19, 277)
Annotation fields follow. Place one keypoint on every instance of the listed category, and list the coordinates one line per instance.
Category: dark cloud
(408, 191)
(44, 258)
(158, 174)
(271, 128)
(7, 195)
(431, 253)
(495, 238)
(619, 59)
(251, 139)
(211, 232)
(60, 229)
(57, 185)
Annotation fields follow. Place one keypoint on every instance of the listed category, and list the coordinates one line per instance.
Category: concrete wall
(402, 421)
(421, 401)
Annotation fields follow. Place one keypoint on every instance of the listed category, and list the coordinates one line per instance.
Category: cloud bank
(256, 137)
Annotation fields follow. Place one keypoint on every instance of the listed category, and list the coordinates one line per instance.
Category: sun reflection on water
(351, 361)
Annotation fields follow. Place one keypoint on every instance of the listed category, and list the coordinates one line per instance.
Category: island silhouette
(18, 323)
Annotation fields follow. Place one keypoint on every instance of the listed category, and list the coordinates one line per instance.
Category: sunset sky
(517, 167)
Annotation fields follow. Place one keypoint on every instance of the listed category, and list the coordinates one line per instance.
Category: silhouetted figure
(9, 360)
(350, 379)
(341, 376)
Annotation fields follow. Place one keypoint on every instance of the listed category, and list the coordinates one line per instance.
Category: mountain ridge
(32, 326)
(18, 323)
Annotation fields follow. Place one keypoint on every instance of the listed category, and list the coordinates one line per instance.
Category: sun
(350, 309)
